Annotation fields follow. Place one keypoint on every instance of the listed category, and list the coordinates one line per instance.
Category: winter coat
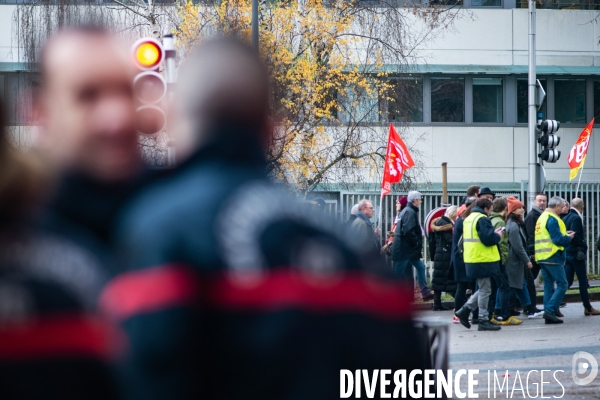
(408, 236)
(498, 222)
(574, 223)
(458, 264)
(362, 228)
(488, 237)
(530, 221)
(517, 254)
(443, 277)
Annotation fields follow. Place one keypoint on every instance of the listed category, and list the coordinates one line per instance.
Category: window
(569, 101)
(487, 100)
(522, 112)
(405, 103)
(358, 105)
(447, 100)
(486, 3)
(596, 98)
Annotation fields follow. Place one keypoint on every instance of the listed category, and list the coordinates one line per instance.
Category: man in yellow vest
(482, 261)
(551, 238)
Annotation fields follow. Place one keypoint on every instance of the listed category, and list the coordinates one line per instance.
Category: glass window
(447, 99)
(358, 105)
(487, 100)
(522, 113)
(405, 102)
(569, 100)
(596, 97)
(486, 3)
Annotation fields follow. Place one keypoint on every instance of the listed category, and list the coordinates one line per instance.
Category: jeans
(479, 300)
(531, 287)
(501, 298)
(573, 267)
(522, 294)
(403, 269)
(553, 297)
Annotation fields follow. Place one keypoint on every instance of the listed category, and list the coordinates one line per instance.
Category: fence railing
(588, 191)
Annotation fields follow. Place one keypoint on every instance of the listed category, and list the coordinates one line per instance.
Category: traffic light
(150, 88)
(549, 140)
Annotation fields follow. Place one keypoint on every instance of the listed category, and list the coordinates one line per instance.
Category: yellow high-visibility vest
(543, 246)
(474, 250)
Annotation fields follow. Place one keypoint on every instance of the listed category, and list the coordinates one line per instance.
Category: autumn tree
(332, 64)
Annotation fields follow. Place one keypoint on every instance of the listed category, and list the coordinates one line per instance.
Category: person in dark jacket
(551, 238)
(232, 291)
(576, 254)
(53, 345)
(362, 227)
(408, 246)
(443, 276)
(86, 107)
(482, 261)
(539, 205)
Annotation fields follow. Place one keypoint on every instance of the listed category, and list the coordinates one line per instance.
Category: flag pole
(381, 235)
(579, 181)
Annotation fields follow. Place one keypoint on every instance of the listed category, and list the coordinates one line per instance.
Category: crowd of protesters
(487, 255)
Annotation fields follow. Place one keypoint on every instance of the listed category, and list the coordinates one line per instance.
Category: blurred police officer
(233, 291)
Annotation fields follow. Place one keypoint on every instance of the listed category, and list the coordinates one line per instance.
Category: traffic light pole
(255, 24)
(532, 113)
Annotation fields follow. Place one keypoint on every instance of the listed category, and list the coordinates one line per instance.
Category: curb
(569, 298)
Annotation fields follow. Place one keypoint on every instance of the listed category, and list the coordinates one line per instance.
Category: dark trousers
(573, 267)
(531, 286)
(460, 298)
(501, 285)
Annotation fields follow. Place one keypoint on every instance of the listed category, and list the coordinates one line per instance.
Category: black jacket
(488, 237)
(458, 264)
(239, 293)
(408, 237)
(574, 223)
(530, 221)
(443, 276)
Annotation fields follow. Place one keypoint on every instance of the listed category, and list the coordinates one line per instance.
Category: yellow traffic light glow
(148, 53)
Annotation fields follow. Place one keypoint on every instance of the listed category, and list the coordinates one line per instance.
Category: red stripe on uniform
(59, 336)
(284, 289)
(149, 290)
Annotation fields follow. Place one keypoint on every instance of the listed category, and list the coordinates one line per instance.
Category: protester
(318, 203)
(52, 346)
(443, 276)
(482, 261)
(551, 237)
(486, 193)
(518, 260)
(408, 246)
(87, 118)
(577, 254)
(539, 205)
(234, 291)
(564, 210)
(500, 296)
(353, 215)
(362, 227)
(463, 282)
(472, 191)
(389, 243)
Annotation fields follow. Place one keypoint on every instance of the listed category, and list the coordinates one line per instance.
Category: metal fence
(588, 191)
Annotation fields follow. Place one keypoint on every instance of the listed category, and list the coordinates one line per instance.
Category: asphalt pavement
(531, 346)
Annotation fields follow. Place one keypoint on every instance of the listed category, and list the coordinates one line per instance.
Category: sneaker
(456, 321)
(534, 314)
(552, 318)
(515, 313)
(487, 326)
(512, 321)
(497, 320)
(463, 317)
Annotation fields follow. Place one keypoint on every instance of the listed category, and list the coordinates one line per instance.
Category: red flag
(397, 160)
(579, 150)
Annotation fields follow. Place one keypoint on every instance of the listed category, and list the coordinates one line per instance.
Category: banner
(397, 160)
(579, 150)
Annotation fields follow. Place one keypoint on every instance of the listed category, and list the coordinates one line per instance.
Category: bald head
(86, 105)
(577, 203)
(223, 84)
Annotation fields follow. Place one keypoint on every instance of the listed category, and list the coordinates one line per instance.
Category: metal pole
(532, 110)
(171, 78)
(255, 24)
(444, 183)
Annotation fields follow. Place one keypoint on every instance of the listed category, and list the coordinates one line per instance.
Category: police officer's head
(86, 106)
(222, 84)
(485, 204)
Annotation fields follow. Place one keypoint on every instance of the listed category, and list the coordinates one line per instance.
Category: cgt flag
(579, 150)
(397, 160)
